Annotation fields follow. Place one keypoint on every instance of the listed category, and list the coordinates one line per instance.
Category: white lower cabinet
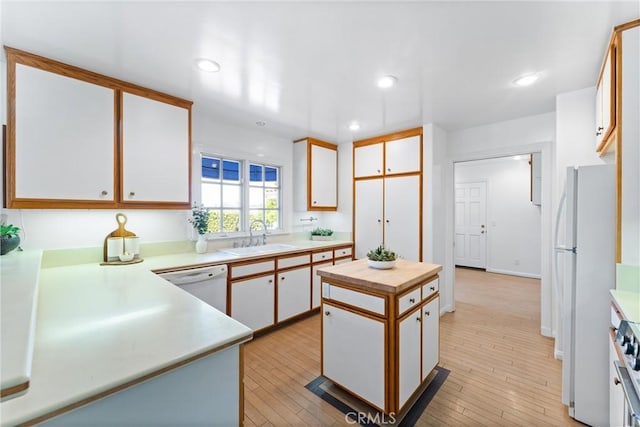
(253, 301)
(430, 334)
(293, 292)
(353, 353)
(418, 348)
(316, 284)
(616, 394)
(409, 355)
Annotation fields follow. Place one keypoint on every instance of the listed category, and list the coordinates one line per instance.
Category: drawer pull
(327, 313)
(412, 300)
(428, 313)
(433, 288)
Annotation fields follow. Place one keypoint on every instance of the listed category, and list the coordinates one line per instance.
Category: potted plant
(200, 221)
(381, 258)
(9, 239)
(322, 234)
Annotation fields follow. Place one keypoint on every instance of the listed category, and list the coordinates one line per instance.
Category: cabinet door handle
(327, 313)
(282, 278)
(428, 313)
(418, 319)
(388, 169)
(132, 193)
(379, 221)
(378, 170)
(270, 281)
(412, 300)
(315, 202)
(104, 192)
(387, 221)
(616, 381)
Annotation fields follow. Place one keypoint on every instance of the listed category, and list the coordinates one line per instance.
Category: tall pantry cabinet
(387, 181)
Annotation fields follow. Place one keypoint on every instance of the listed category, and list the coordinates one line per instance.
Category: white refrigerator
(586, 251)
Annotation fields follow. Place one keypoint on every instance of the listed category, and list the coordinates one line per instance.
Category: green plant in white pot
(9, 239)
(200, 221)
(322, 234)
(381, 258)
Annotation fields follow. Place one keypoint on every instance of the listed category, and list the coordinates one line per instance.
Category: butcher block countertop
(402, 276)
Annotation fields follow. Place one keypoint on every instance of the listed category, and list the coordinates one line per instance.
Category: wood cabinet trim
(67, 70)
(15, 57)
(388, 137)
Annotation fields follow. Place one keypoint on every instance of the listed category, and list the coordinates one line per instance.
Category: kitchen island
(380, 331)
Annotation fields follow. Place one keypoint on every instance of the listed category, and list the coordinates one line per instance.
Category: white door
(293, 293)
(353, 353)
(403, 155)
(368, 216)
(368, 160)
(324, 189)
(409, 356)
(430, 336)
(471, 228)
(402, 216)
(252, 301)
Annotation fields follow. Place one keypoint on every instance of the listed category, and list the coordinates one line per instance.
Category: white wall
(513, 222)
(437, 231)
(520, 136)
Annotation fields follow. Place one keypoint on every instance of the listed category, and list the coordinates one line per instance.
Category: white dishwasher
(206, 283)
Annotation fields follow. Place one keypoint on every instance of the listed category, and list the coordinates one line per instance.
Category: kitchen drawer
(240, 270)
(293, 261)
(367, 302)
(322, 256)
(408, 300)
(430, 288)
(339, 253)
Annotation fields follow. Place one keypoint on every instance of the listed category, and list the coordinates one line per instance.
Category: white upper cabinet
(315, 175)
(64, 137)
(368, 160)
(605, 101)
(77, 139)
(403, 155)
(155, 148)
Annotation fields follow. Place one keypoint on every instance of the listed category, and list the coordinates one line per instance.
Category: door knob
(482, 232)
(482, 226)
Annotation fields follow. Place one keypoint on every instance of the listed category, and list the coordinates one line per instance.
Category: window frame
(245, 186)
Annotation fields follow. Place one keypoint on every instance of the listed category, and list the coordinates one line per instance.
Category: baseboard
(557, 354)
(445, 309)
(513, 273)
(546, 332)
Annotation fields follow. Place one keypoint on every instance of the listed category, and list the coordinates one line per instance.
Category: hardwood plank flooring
(502, 370)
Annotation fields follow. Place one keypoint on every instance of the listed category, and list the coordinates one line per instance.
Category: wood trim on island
(391, 285)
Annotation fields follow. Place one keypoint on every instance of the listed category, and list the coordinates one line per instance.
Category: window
(235, 202)
(264, 196)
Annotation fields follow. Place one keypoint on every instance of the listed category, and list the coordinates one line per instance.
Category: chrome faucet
(264, 231)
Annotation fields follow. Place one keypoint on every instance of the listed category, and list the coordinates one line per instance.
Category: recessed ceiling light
(526, 79)
(207, 65)
(354, 126)
(387, 81)
(261, 123)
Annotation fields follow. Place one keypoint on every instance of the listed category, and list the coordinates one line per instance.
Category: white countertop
(99, 327)
(628, 302)
(19, 272)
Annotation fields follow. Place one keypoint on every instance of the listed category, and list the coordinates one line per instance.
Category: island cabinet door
(353, 353)
(430, 336)
(408, 355)
(253, 301)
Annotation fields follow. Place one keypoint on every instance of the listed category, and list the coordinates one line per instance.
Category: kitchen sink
(255, 250)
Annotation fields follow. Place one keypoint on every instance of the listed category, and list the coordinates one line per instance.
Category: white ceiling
(309, 68)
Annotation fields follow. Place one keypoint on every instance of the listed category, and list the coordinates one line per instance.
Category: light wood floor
(502, 370)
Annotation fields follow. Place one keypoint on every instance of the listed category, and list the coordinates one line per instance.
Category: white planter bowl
(322, 238)
(381, 265)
